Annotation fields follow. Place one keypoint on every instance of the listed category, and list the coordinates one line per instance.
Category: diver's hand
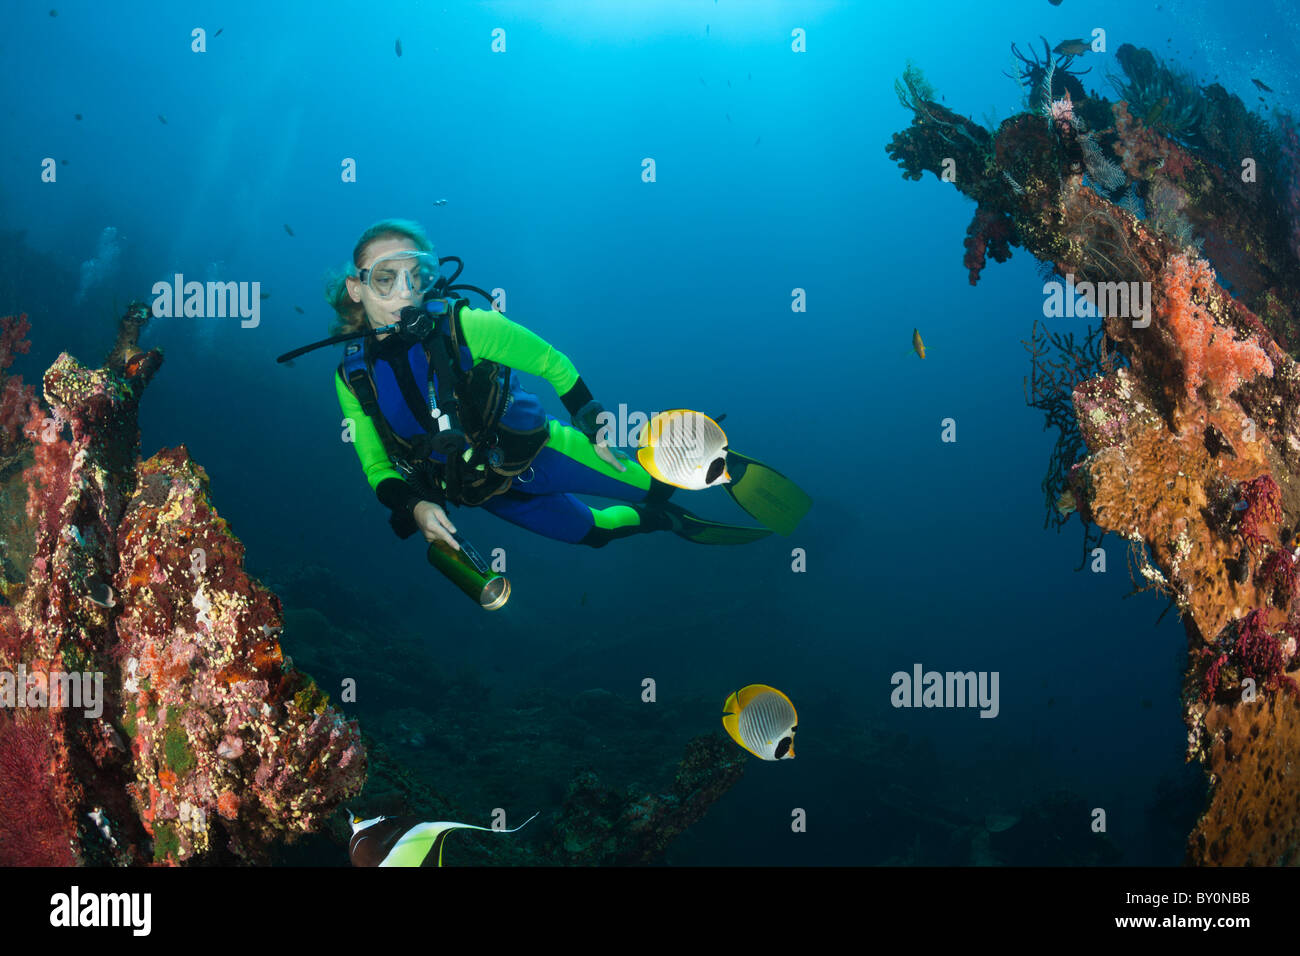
(610, 455)
(435, 524)
(587, 420)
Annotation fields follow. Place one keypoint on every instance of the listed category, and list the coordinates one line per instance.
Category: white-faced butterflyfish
(762, 720)
(685, 449)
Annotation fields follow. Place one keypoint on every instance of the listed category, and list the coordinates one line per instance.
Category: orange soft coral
(1212, 353)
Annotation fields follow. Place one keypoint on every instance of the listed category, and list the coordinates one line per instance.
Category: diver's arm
(389, 486)
(490, 336)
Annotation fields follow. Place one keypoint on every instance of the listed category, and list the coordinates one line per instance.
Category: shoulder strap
(355, 369)
(356, 373)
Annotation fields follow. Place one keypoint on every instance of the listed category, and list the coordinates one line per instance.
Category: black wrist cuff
(399, 497)
(576, 397)
(396, 495)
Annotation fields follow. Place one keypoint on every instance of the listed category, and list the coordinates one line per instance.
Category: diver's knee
(659, 491)
(595, 538)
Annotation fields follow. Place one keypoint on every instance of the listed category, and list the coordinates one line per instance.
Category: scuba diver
(440, 417)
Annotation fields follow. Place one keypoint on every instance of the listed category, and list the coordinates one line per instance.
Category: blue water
(665, 294)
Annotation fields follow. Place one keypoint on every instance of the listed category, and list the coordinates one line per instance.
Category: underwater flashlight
(468, 571)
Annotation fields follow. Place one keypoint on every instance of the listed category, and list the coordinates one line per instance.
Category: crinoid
(1047, 79)
(1106, 255)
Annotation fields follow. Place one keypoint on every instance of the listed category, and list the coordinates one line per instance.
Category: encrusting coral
(208, 744)
(1190, 418)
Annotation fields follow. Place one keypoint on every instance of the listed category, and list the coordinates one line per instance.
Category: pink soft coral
(48, 477)
(1212, 353)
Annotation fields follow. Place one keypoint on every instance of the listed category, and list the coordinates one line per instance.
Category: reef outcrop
(1173, 212)
(160, 720)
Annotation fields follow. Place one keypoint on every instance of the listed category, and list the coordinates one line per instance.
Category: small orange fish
(917, 345)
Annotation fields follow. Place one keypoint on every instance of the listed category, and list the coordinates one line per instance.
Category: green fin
(703, 531)
(769, 496)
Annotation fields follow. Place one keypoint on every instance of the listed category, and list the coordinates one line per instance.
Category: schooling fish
(287, 229)
(398, 46)
(162, 119)
(404, 841)
(298, 309)
(685, 449)
(218, 33)
(1260, 85)
(762, 720)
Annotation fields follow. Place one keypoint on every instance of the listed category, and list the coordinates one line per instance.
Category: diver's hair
(351, 316)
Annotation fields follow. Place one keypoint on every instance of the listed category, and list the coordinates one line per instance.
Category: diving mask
(421, 271)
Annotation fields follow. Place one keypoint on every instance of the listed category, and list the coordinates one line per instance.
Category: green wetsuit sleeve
(370, 448)
(490, 336)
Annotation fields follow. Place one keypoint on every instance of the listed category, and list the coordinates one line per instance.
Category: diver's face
(381, 311)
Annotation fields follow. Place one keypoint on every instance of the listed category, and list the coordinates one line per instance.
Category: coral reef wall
(1171, 212)
(173, 728)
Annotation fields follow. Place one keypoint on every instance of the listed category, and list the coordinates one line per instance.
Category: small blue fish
(1241, 505)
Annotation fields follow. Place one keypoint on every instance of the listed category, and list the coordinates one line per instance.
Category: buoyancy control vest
(504, 427)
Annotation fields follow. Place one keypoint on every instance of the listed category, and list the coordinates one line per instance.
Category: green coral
(166, 843)
(75, 659)
(176, 747)
(311, 699)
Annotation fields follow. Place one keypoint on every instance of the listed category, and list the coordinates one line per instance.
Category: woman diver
(439, 416)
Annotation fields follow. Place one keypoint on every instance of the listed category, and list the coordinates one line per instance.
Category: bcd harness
(461, 450)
